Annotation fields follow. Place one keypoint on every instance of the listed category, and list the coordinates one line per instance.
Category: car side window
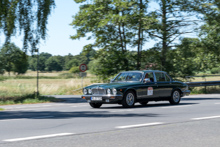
(167, 78)
(160, 77)
(150, 76)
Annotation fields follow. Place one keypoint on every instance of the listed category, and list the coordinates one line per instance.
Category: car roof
(145, 71)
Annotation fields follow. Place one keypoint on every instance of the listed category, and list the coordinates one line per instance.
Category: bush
(74, 69)
(215, 70)
(67, 75)
(2, 78)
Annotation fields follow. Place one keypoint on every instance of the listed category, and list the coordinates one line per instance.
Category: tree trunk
(125, 47)
(164, 31)
(139, 38)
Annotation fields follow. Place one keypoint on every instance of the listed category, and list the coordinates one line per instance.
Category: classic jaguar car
(130, 87)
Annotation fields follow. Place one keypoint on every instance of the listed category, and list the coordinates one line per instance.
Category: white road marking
(139, 125)
(176, 106)
(203, 118)
(121, 110)
(38, 137)
(79, 106)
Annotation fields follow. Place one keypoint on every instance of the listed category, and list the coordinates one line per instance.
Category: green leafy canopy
(29, 17)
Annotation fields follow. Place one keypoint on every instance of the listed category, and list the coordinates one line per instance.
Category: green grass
(27, 99)
(208, 90)
(1, 109)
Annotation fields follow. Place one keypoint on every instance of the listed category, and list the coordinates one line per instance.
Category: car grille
(98, 91)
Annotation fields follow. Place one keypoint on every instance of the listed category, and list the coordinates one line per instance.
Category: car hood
(113, 85)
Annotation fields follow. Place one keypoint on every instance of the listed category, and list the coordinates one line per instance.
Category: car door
(164, 84)
(148, 90)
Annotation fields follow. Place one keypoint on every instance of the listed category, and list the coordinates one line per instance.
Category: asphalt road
(194, 122)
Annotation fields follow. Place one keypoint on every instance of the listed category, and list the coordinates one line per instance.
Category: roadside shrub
(74, 69)
(67, 75)
(215, 70)
(2, 78)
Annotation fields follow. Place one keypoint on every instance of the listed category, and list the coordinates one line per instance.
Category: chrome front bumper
(105, 98)
(186, 92)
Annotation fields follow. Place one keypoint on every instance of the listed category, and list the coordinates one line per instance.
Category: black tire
(175, 97)
(143, 103)
(95, 105)
(129, 99)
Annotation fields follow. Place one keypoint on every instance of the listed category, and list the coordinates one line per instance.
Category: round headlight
(84, 91)
(90, 91)
(108, 91)
(114, 91)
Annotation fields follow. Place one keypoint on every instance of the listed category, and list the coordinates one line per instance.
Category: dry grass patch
(19, 87)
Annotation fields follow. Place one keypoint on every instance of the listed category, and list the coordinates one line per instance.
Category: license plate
(96, 98)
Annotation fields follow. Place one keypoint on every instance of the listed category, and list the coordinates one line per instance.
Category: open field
(18, 87)
(199, 79)
(55, 83)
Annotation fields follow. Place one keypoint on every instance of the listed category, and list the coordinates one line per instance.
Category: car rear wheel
(175, 98)
(95, 105)
(129, 99)
(143, 103)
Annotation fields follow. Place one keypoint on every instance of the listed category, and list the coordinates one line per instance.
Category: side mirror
(147, 80)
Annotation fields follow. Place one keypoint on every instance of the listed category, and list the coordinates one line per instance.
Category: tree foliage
(119, 26)
(29, 17)
(52, 64)
(116, 27)
(175, 19)
(13, 59)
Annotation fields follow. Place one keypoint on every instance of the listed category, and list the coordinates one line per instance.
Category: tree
(60, 60)
(23, 16)
(1, 67)
(71, 63)
(13, 59)
(175, 18)
(32, 62)
(88, 52)
(43, 57)
(67, 58)
(210, 35)
(185, 59)
(116, 26)
(21, 65)
(52, 64)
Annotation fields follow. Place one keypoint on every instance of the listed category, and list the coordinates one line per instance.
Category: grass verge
(27, 99)
(1, 109)
(207, 90)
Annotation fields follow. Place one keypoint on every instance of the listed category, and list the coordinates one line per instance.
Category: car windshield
(129, 76)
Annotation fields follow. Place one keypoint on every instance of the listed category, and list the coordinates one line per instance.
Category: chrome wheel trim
(176, 96)
(130, 99)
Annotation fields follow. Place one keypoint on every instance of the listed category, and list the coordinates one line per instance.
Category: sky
(58, 40)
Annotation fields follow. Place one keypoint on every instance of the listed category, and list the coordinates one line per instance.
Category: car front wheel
(129, 99)
(175, 98)
(95, 105)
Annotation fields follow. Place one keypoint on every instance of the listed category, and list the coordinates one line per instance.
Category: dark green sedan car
(130, 87)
